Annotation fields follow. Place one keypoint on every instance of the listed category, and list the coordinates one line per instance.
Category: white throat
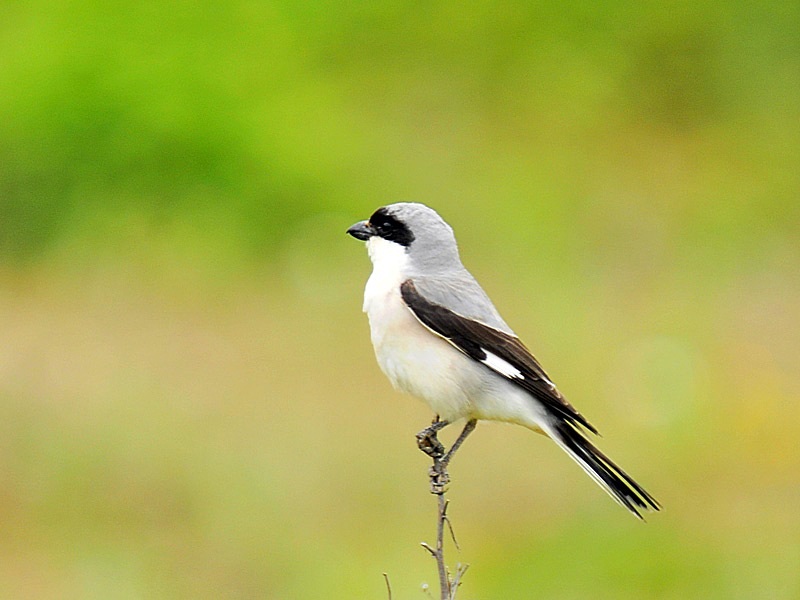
(390, 263)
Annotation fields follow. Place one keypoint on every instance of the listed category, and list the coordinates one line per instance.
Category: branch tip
(388, 585)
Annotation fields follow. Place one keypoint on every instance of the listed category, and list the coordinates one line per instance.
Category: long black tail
(609, 476)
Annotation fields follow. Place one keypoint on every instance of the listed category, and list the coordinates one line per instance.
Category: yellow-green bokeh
(189, 406)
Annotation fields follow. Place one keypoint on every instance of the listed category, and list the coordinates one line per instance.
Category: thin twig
(452, 532)
(429, 443)
(388, 585)
(444, 580)
(454, 585)
(428, 548)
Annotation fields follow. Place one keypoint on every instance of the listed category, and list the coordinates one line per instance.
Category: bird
(438, 336)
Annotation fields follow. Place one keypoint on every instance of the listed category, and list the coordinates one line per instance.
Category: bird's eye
(390, 228)
(383, 225)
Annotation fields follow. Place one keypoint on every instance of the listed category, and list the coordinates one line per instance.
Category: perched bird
(437, 336)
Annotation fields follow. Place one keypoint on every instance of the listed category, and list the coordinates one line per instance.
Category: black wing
(497, 350)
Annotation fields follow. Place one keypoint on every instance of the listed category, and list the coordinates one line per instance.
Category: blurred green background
(188, 399)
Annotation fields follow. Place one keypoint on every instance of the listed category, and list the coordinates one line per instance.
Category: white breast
(415, 360)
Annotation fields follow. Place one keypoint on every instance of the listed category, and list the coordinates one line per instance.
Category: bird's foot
(429, 443)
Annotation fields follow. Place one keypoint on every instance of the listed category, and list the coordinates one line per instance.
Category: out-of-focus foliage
(188, 402)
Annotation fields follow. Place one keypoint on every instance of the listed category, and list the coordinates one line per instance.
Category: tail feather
(619, 485)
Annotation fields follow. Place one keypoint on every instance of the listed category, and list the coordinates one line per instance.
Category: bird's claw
(430, 444)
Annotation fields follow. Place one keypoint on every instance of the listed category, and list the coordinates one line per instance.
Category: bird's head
(425, 240)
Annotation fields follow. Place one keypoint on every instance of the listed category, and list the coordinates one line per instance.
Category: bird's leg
(468, 428)
(428, 442)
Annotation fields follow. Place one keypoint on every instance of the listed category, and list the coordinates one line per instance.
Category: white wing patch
(503, 367)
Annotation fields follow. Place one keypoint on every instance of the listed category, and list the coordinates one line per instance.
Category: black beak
(362, 231)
